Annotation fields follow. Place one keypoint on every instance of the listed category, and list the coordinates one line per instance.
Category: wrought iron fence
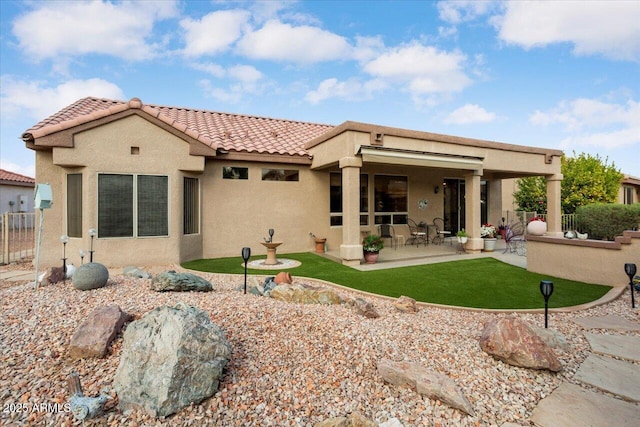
(17, 237)
(567, 221)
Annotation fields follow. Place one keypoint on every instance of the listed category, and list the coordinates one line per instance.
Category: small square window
(280, 175)
(135, 151)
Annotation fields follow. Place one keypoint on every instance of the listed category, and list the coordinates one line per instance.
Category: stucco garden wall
(589, 261)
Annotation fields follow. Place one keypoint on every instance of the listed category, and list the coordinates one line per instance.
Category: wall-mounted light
(436, 189)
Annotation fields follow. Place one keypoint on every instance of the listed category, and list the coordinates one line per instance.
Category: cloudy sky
(563, 74)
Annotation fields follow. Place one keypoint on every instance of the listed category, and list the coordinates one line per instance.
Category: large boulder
(91, 275)
(514, 342)
(427, 383)
(171, 357)
(94, 335)
(180, 282)
(305, 294)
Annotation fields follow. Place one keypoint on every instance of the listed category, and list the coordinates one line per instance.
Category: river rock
(406, 304)
(305, 294)
(427, 383)
(91, 275)
(171, 357)
(170, 281)
(365, 308)
(514, 342)
(136, 272)
(94, 335)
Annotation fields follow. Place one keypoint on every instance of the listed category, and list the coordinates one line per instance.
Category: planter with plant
(371, 246)
(462, 236)
(488, 234)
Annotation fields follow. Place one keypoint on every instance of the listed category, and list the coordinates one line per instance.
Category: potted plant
(488, 234)
(320, 243)
(537, 226)
(462, 236)
(371, 246)
(502, 229)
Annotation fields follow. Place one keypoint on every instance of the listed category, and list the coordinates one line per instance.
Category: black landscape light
(246, 253)
(271, 231)
(64, 239)
(631, 269)
(546, 288)
(92, 233)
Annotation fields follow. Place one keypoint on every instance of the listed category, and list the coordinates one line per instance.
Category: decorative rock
(171, 357)
(365, 308)
(353, 420)
(553, 339)
(305, 294)
(406, 304)
(515, 343)
(52, 276)
(93, 337)
(391, 422)
(283, 278)
(170, 281)
(136, 272)
(427, 383)
(91, 275)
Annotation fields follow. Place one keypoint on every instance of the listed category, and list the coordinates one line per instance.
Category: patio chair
(386, 231)
(417, 234)
(441, 233)
(514, 237)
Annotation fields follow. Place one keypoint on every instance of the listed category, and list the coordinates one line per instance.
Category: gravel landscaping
(291, 364)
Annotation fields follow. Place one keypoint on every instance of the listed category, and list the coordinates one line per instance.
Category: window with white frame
(133, 205)
(628, 195)
(335, 199)
(391, 199)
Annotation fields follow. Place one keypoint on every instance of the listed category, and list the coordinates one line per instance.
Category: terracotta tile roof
(8, 177)
(231, 132)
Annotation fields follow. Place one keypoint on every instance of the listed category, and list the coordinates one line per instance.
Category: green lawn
(481, 282)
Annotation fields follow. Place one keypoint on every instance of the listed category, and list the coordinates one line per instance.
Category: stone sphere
(92, 275)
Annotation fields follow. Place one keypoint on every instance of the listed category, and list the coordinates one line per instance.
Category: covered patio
(407, 255)
(382, 175)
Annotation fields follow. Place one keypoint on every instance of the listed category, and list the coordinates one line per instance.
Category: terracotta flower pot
(320, 245)
(371, 257)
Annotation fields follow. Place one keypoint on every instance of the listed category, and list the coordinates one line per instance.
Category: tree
(586, 179)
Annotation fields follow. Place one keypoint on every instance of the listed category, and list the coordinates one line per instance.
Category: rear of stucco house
(165, 185)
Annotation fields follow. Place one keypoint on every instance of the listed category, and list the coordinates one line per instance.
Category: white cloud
(210, 68)
(459, 11)
(72, 28)
(426, 69)
(352, 90)
(34, 99)
(303, 44)
(469, 113)
(245, 73)
(608, 28)
(214, 33)
(594, 123)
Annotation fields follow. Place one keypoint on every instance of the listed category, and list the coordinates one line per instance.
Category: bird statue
(84, 407)
(582, 236)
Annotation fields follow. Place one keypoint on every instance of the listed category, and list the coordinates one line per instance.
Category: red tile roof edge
(6, 175)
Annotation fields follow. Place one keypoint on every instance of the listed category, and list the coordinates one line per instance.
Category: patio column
(554, 205)
(351, 247)
(472, 211)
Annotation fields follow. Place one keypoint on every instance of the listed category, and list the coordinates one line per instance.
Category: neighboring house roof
(12, 178)
(630, 180)
(220, 131)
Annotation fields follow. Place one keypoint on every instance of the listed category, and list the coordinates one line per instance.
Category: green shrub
(605, 221)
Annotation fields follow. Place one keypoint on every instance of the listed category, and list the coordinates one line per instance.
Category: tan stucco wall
(107, 149)
(239, 213)
(585, 261)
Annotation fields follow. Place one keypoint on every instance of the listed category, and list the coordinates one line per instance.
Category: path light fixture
(546, 288)
(271, 231)
(631, 269)
(82, 254)
(92, 233)
(64, 239)
(246, 253)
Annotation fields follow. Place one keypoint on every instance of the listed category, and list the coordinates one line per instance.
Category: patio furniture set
(419, 233)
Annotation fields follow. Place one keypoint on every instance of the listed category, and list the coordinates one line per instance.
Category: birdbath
(271, 252)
